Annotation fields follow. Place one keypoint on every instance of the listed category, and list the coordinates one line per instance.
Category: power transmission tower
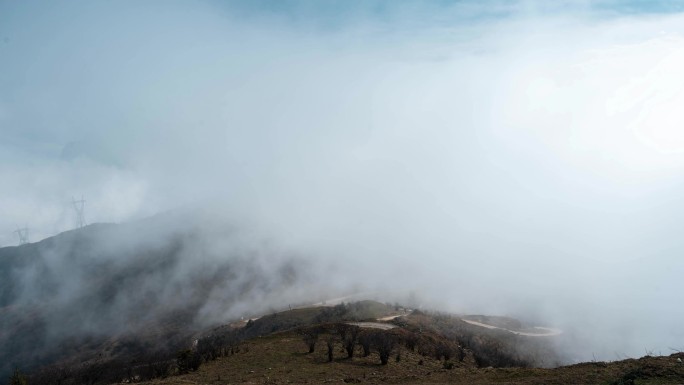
(79, 206)
(23, 234)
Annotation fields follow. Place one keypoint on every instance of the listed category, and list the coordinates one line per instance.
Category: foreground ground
(282, 358)
(417, 347)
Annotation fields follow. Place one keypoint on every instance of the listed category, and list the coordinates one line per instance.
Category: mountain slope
(282, 358)
(131, 289)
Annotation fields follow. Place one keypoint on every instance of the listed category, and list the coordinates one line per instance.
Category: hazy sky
(527, 151)
(500, 116)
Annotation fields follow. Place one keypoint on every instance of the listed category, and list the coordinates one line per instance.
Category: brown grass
(282, 358)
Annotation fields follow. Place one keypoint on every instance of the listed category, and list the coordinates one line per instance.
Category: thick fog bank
(511, 158)
(118, 291)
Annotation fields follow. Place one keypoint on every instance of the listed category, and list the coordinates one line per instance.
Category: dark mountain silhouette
(127, 290)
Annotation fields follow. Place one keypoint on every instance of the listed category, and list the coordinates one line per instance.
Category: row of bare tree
(156, 365)
(383, 342)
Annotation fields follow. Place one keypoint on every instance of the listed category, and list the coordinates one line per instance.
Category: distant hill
(128, 290)
(364, 342)
(162, 299)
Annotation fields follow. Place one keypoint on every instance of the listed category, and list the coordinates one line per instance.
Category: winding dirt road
(543, 332)
(373, 325)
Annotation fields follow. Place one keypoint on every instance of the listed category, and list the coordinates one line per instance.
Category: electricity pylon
(79, 207)
(23, 234)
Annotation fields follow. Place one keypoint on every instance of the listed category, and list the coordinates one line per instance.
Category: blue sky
(337, 14)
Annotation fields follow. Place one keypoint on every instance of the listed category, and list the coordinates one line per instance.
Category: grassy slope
(273, 353)
(281, 358)
(125, 292)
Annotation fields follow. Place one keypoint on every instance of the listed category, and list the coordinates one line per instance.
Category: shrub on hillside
(18, 378)
(188, 360)
(51, 375)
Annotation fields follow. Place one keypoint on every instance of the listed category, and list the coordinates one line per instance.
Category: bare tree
(349, 334)
(384, 343)
(330, 342)
(443, 350)
(366, 340)
(411, 340)
(310, 337)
